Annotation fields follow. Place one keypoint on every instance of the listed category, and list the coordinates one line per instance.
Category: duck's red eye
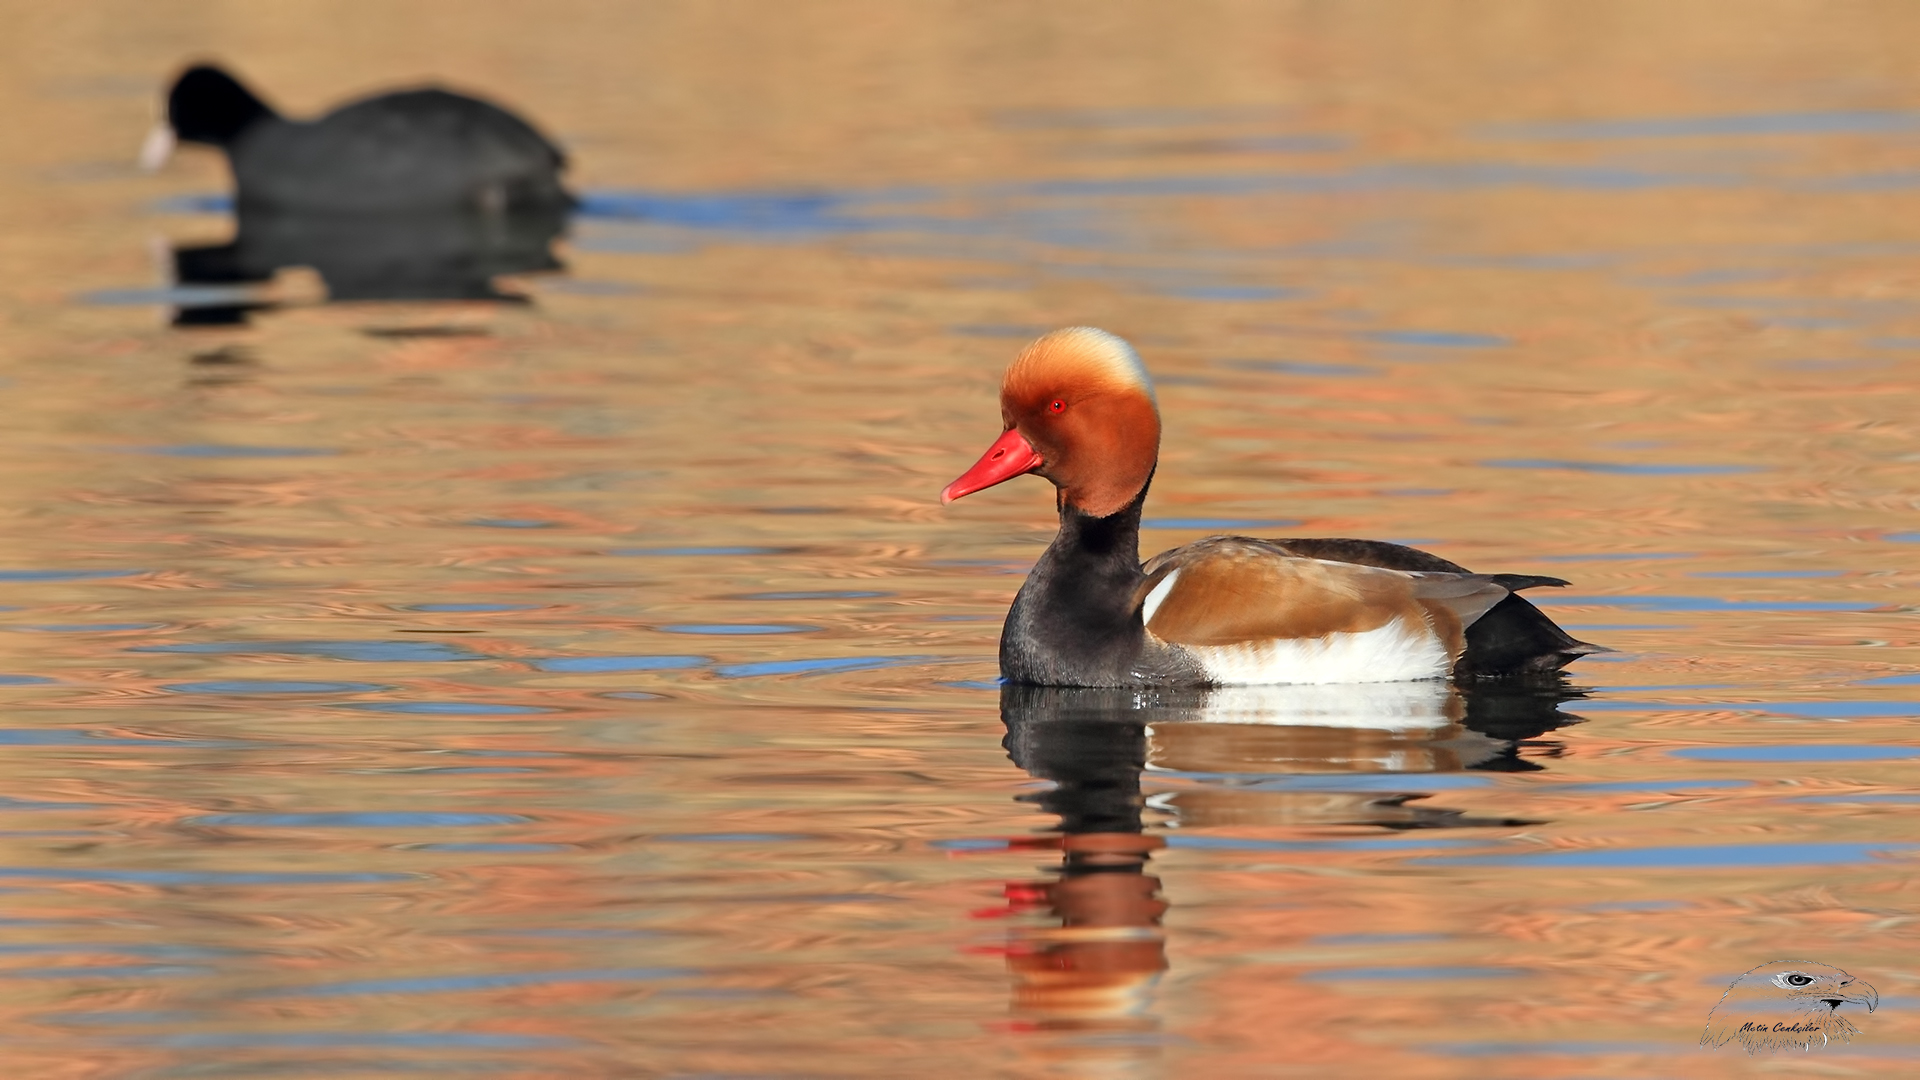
(1058, 405)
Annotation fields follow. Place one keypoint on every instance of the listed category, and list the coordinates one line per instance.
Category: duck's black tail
(1516, 582)
(1512, 638)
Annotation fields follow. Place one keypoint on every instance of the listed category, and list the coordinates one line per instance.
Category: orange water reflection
(593, 686)
(1222, 759)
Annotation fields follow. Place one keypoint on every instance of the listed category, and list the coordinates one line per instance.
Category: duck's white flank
(1401, 650)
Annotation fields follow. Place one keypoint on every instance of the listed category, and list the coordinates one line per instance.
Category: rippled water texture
(593, 686)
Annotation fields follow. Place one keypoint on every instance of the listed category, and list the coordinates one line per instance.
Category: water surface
(594, 686)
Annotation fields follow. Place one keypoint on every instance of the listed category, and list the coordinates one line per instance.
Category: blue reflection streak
(1380, 844)
(1620, 467)
(84, 737)
(187, 877)
(456, 984)
(1293, 367)
(1701, 857)
(108, 971)
(1647, 785)
(817, 594)
(1562, 1048)
(825, 665)
(1217, 523)
(458, 609)
(688, 552)
(1439, 339)
(1697, 603)
(343, 1040)
(730, 838)
(1232, 293)
(1767, 574)
(64, 575)
(1849, 122)
(212, 450)
(270, 686)
(1342, 782)
(733, 629)
(120, 948)
(1403, 974)
(390, 819)
(90, 628)
(372, 652)
(1819, 710)
(443, 708)
(1830, 752)
(482, 848)
(620, 663)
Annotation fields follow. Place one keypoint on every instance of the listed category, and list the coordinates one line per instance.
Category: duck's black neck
(1075, 622)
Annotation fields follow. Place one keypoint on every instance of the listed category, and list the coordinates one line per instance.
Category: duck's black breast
(1076, 620)
(1072, 623)
(408, 151)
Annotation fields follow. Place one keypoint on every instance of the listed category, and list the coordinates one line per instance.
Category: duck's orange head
(1079, 410)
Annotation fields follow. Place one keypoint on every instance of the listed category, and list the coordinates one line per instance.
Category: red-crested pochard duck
(1079, 410)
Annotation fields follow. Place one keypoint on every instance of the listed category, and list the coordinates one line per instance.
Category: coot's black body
(413, 150)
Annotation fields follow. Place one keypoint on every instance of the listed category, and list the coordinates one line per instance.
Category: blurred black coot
(414, 195)
(412, 150)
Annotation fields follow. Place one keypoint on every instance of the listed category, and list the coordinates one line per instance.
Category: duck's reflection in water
(452, 255)
(1226, 757)
(1097, 966)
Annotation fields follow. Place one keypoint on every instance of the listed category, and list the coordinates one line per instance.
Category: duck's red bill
(1010, 455)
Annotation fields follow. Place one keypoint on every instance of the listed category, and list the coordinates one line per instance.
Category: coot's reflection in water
(450, 255)
(1238, 756)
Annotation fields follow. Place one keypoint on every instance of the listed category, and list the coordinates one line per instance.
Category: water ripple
(1693, 857)
(360, 820)
(271, 686)
(824, 665)
(621, 663)
(459, 984)
(401, 652)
